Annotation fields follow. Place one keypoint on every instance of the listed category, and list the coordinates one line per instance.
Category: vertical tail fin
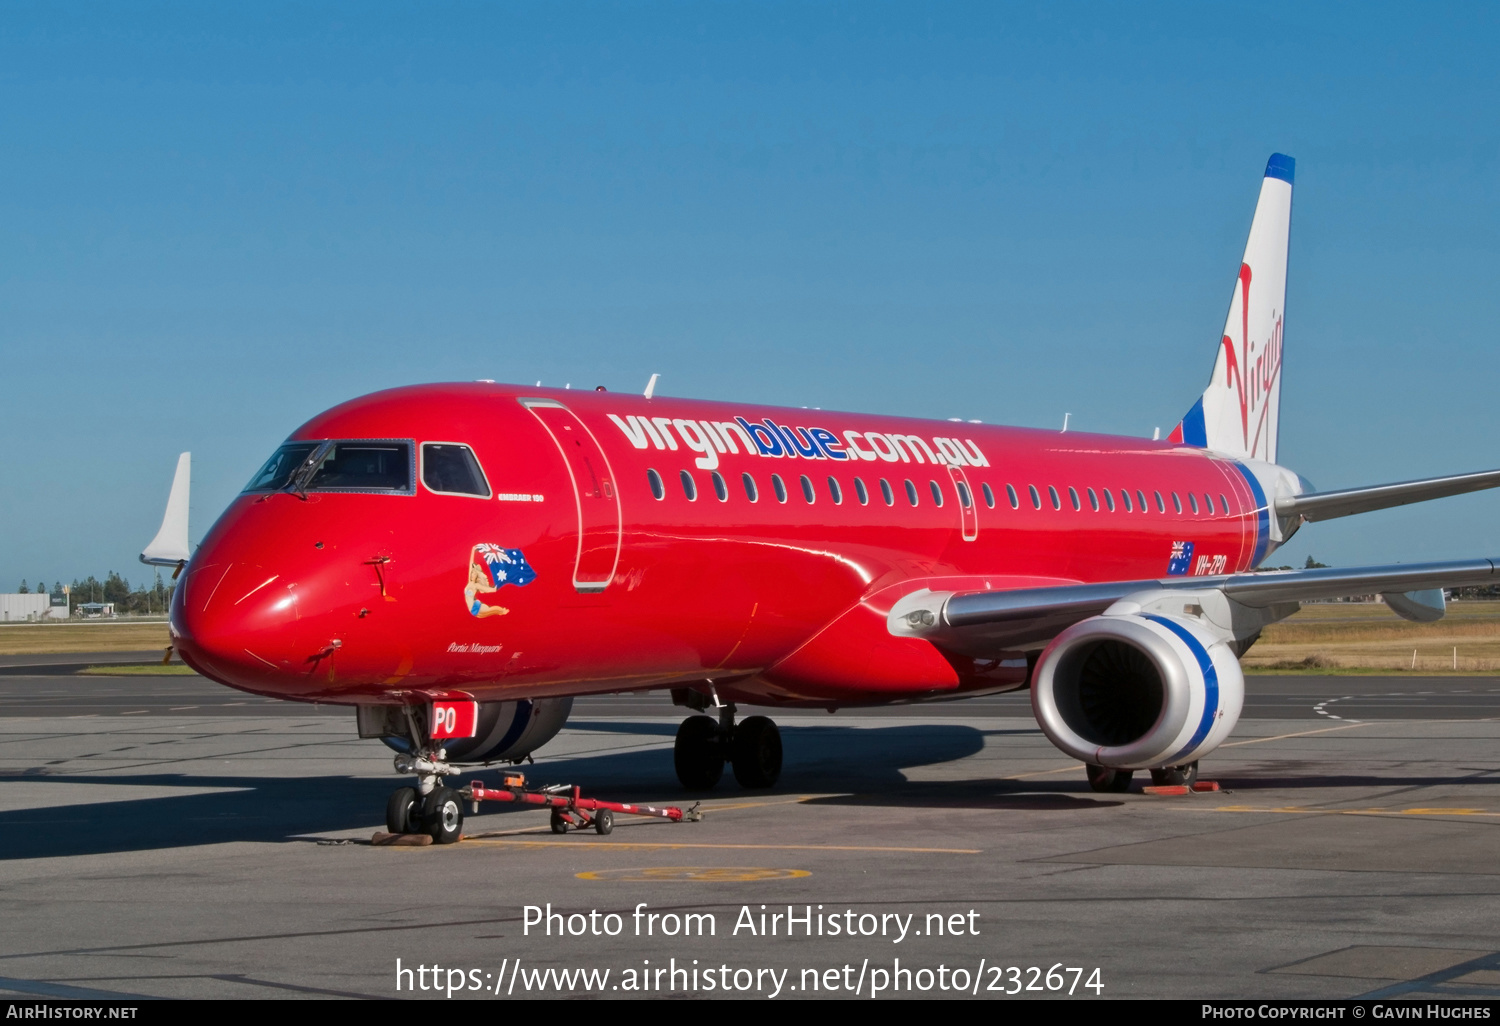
(1238, 413)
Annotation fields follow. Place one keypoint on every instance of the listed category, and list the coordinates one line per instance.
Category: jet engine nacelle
(506, 731)
(1137, 691)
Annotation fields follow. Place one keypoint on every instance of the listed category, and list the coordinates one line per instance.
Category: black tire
(757, 752)
(698, 755)
(604, 821)
(400, 809)
(1175, 776)
(1106, 780)
(443, 815)
(559, 825)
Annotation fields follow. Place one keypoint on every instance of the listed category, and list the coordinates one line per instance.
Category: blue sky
(215, 223)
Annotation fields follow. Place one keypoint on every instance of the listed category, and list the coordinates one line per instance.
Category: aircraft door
(594, 492)
(968, 512)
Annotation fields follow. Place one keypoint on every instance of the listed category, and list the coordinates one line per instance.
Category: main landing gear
(1106, 780)
(705, 743)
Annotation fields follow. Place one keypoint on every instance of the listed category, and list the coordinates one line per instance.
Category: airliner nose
(238, 622)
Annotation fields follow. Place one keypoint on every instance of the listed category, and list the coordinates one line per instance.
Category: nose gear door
(594, 492)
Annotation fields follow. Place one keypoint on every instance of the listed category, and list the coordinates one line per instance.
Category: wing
(983, 622)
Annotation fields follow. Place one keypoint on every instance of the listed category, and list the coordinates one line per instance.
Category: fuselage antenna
(651, 386)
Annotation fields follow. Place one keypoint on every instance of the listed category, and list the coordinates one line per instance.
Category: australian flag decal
(1181, 559)
(503, 566)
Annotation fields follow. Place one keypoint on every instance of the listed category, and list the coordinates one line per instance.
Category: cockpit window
(363, 467)
(452, 469)
(280, 467)
(342, 466)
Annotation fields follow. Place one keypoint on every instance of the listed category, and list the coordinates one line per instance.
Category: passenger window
(1125, 500)
(989, 495)
(779, 487)
(1208, 504)
(1161, 507)
(1052, 494)
(1193, 503)
(1036, 496)
(1109, 500)
(886, 493)
(1093, 500)
(1140, 500)
(937, 493)
(859, 490)
(1073, 498)
(451, 469)
(689, 486)
(720, 488)
(751, 492)
(963, 495)
(911, 492)
(658, 489)
(834, 491)
(1176, 503)
(1223, 504)
(807, 490)
(1010, 492)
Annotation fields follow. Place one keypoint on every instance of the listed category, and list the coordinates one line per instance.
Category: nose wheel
(703, 745)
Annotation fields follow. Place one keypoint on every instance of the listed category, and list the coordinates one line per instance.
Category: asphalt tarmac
(162, 836)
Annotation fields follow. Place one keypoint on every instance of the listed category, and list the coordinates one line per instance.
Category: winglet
(170, 546)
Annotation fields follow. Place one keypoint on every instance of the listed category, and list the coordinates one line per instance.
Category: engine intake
(1136, 691)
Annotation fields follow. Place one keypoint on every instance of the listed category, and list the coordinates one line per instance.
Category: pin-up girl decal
(490, 569)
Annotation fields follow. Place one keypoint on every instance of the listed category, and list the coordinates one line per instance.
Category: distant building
(96, 609)
(20, 608)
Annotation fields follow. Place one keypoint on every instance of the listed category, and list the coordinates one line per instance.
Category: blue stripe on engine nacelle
(517, 727)
(1210, 683)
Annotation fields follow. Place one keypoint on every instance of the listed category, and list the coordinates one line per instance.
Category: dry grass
(1368, 636)
(99, 636)
(1328, 636)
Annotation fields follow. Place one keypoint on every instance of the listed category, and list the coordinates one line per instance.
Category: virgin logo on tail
(1253, 383)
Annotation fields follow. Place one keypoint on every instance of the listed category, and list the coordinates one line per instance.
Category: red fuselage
(367, 597)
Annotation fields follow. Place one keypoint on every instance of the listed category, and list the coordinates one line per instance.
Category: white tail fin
(1238, 413)
(170, 546)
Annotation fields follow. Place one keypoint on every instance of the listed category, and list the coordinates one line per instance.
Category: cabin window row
(806, 487)
(912, 493)
(1105, 499)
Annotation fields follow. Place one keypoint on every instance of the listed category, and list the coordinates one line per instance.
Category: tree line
(145, 599)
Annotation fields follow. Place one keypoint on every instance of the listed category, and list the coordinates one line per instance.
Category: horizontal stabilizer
(170, 546)
(1328, 505)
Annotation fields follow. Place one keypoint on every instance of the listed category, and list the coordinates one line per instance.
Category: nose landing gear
(429, 808)
(704, 744)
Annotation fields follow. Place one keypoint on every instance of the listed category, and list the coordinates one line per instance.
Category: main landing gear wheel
(756, 751)
(1109, 781)
(399, 810)
(1181, 776)
(443, 815)
(698, 754)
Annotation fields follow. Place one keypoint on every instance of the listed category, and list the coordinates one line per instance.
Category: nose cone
(239, 622)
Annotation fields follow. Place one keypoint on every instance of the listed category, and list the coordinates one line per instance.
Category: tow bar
(570, 811)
